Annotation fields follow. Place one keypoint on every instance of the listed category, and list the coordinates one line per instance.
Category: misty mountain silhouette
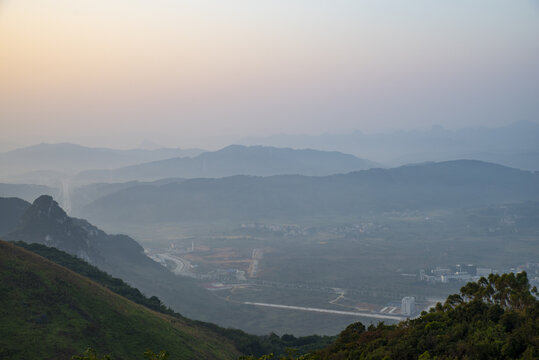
(453, 184)
(514, 145)
(71, 158)
(45, 222)
(237, 160)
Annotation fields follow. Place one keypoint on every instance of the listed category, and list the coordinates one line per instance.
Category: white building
(408, 305)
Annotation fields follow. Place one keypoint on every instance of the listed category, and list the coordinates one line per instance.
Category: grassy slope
(243, 342)
(50, 312)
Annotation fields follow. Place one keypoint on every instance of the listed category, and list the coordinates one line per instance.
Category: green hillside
(245, 343)
(50, 312)
(495, 318)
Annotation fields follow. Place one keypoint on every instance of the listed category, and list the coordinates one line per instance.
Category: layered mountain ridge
(234, 160)
(70, 158)
(453, 184)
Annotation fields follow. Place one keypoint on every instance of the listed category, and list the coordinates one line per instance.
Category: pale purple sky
(200, 73)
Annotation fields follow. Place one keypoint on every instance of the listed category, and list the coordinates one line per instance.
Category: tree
(91, 354)
(150, 355)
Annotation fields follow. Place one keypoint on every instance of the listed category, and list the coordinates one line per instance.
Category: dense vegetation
(83, 268)
(495, 318)
(245, 343)
(50, 312)
(91, 354)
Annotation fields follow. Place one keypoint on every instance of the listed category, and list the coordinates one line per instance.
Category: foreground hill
(243, 342)
(495, 318)
(49, 312)
(452, 184)
(236, 160)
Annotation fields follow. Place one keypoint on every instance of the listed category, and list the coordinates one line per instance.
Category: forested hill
(50, 312)
(452, 184)
(243, 342)
(495, 318)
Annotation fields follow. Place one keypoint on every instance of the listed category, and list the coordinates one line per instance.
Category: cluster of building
(406, 307)
(283, 229)
(457, 272)
(354, 229)
(298, 230)
(472, 272)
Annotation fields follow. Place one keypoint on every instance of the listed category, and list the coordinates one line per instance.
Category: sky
(204, 73)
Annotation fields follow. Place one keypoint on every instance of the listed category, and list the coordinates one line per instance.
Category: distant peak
(44, 200)
(45, 207)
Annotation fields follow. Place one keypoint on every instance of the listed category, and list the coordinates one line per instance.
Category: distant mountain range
(453, 184)
(71, 158)
(86, 194)
(515, 145)
(236, 160)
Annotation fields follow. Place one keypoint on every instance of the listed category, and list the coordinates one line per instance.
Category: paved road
(337, 312)
(182, 266)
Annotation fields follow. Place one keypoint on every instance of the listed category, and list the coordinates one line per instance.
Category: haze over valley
(305, 180)
(280, 240)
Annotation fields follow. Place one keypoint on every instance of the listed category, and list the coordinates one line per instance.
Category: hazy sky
(203, 73)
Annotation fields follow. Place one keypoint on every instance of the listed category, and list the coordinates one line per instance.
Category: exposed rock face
(45, 222)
